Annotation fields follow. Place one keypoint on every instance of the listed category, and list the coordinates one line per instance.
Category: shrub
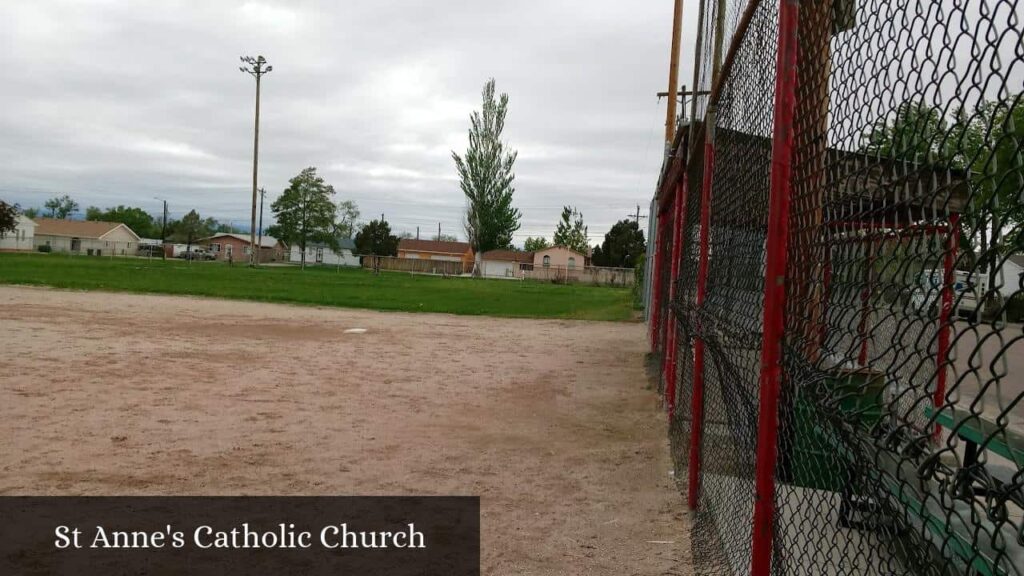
(1015, 308)
(638, 282)
(45, 248)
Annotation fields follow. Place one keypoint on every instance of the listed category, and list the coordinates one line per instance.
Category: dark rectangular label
(239, 535)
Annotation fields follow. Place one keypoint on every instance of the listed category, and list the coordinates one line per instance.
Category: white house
(22, 236)
(1010, 279)
(90, 237)
(504, 263)
(318, 253)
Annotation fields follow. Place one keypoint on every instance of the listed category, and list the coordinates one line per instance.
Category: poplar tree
(486, 178)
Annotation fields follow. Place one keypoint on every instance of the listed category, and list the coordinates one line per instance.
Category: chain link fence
(838, 325)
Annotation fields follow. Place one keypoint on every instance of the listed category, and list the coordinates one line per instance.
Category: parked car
(197, 254)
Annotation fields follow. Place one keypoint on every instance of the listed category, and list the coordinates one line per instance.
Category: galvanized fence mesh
(840, 289)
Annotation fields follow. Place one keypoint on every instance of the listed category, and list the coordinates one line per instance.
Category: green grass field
(347, 287)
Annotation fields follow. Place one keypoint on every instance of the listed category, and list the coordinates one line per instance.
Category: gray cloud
(118, 102)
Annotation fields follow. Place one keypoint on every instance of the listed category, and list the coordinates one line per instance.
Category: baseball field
(549, 421)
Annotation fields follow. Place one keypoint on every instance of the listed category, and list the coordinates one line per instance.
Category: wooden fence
(415, 265)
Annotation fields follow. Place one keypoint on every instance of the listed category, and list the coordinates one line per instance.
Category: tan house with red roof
(436, 250)
(89, 237)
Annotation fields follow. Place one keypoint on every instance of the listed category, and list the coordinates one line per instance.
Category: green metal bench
(980, 432)
(957, 531)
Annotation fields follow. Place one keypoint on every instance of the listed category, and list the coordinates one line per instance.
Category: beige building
(436, 250)
(559, 257)
(89, 237)
(21, 238)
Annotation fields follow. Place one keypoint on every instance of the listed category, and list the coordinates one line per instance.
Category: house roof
(77, 228)
(550, 248)
(507, 256)
(343, 244)
(438, 246)
(268, 241)
(26, 221)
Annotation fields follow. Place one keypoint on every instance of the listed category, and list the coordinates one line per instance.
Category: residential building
(1013, 275)
(89, 237)
(236, 247)
(436, 250)
(319, 253)
(505, 263)
(559, 257)
(22, 236)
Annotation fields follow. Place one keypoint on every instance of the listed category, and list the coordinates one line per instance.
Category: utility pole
(673, 74)
(255, 67)
(417, 232)
(259, 242)
(163, 231)
(697, 59)
(439, 231)
(636, 217)
(682, 94)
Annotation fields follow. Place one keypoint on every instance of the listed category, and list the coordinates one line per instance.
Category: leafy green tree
(61, 206)
(305, 212)
(348, 214)
(571, 231)
(917, 133)
(486, 178)
(622, 247)
(8, 218)
(140, 221)
(535, 244)
(190, 228)
(445, 238)
(31, 212)
(375, 238)
(986, 144)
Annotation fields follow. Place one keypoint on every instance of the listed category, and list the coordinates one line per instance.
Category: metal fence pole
(659, 259)
(697, 424)
(670, 352)
(948, 280)
(773, 329)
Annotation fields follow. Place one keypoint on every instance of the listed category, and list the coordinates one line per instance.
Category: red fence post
(659, 258)
(773, 328)
(697, 418)
(670, 351)
(948, 279)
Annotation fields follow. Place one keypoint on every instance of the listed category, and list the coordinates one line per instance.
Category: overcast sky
(119, 102)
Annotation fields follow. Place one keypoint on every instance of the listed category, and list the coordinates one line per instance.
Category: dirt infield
(549, 422)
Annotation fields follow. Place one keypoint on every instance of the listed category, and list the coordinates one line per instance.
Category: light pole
(259, 241)
(163, 231)
(257, 67)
